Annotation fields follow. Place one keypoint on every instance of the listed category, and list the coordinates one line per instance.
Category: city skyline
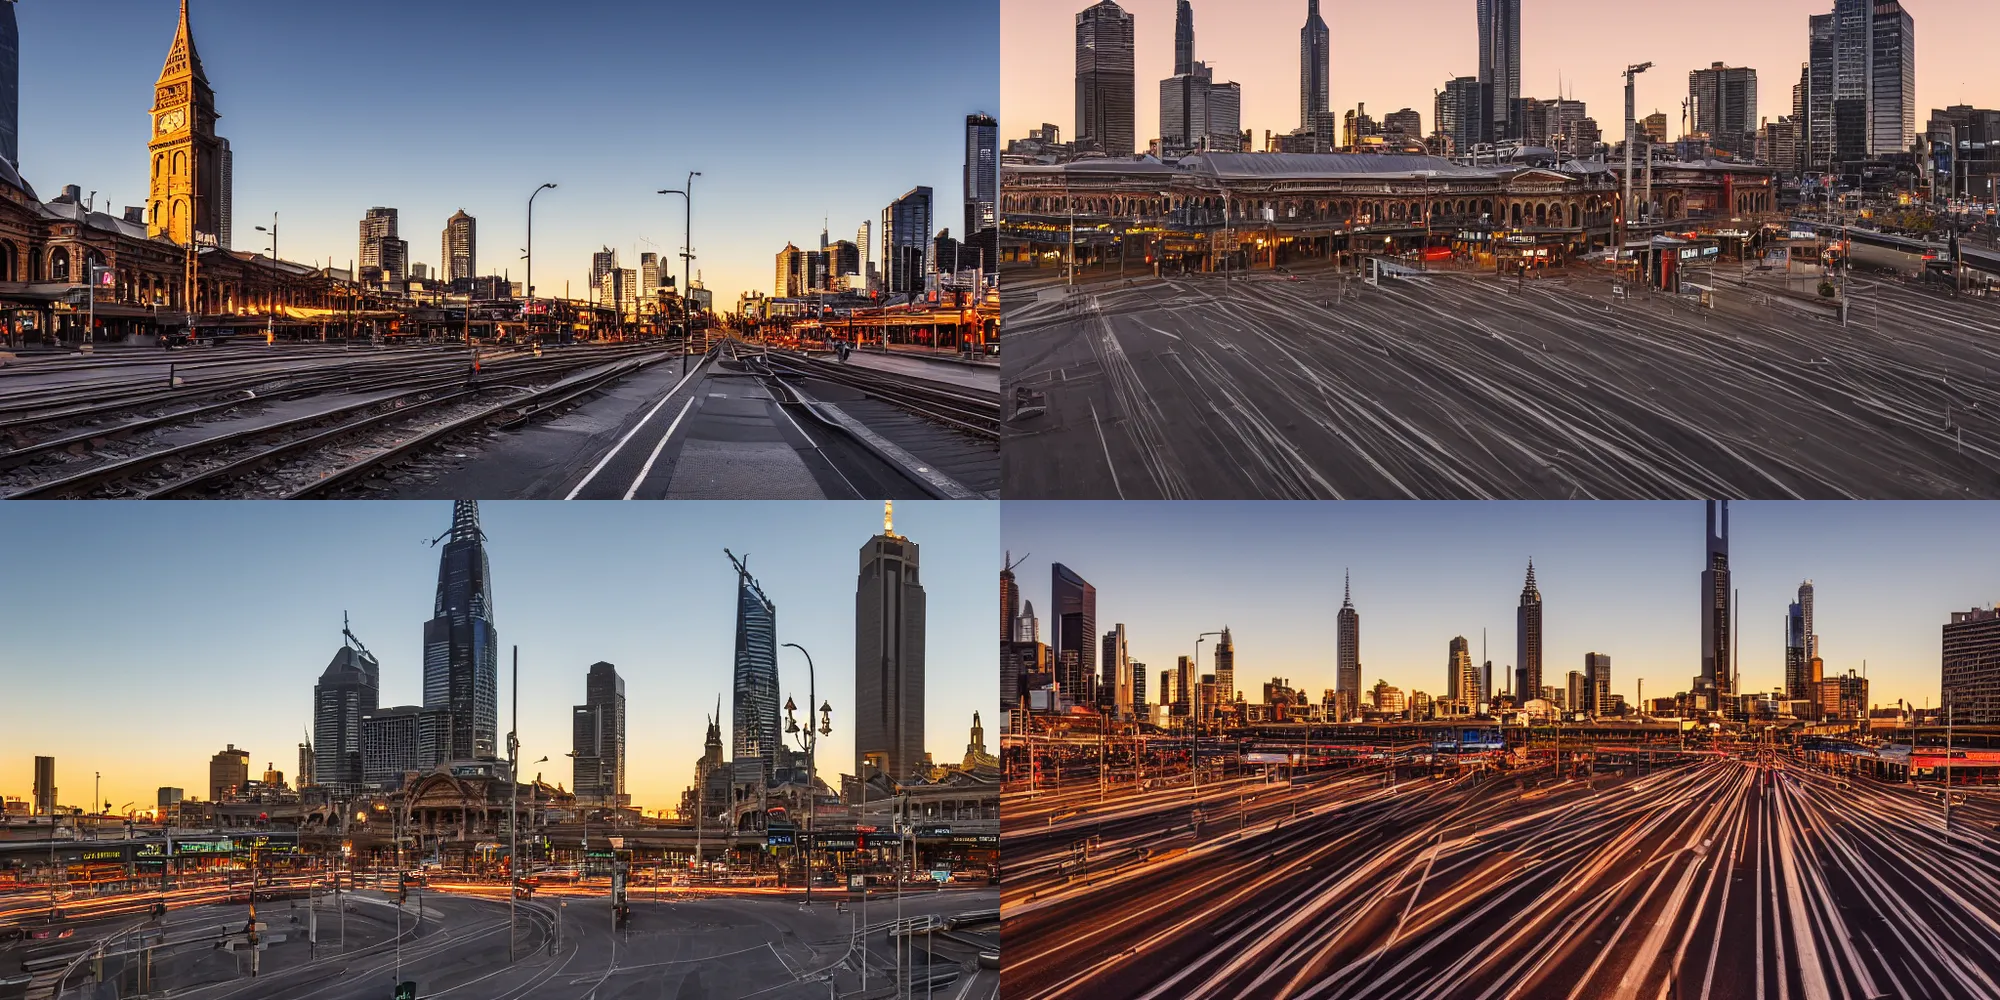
(669, 632)
(1255, 44)
(1616, 579)
(455, 132)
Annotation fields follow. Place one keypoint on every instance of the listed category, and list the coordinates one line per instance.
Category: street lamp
(687, 258)
(271, 327)
(808, 740)
(529, 309)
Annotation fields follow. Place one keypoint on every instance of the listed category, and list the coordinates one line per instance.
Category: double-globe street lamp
(808, 740)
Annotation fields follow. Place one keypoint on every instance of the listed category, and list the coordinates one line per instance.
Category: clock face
(172, 121)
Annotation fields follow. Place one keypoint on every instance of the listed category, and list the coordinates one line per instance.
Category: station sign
(928, 832)
(202, 847)
(840, 841)
(976, 840)
(775, 838)
(100, 855)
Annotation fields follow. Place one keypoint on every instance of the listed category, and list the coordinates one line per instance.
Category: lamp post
(687, 258)
(1194, 717)
(271, 328)
(809, 742)
(514, 798)
(527, 310)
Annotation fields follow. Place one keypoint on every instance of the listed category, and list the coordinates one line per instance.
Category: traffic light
(406, 990)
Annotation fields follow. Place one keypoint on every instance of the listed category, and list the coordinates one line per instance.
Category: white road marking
(647, 470)
(609, 455)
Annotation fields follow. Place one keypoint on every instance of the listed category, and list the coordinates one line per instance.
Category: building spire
(1347, 589)
(889, 518)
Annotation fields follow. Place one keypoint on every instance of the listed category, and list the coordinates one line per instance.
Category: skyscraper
(1105, 85)
(10, 85)
(1183, 37)
(1315, 65)
(982, 186)
(1822, 52)
(1499, 71)
(45, 786)
(1971, 680)
(348, 689)
(1460, 683)
(906, 242)
(1073, 651)
(1715, 682)
(1596, 685)
(1725, 107)
(597, 738)
(1010, 600)
(889, 654)
(1347, 663)
(1528, 640)
(1892, 79)
(461, 646)
(1458, 113)
(385, 258)
(1184, 688)
(1801, 646)
(1117, 665)
(396, 741)
(753, 730)
(461, 247)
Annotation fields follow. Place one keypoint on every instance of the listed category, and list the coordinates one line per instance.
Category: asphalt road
(1472, 387)
(1721, 880)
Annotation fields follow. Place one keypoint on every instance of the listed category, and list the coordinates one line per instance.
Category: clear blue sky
(792, 110)
(1616, 577)
(140, 639)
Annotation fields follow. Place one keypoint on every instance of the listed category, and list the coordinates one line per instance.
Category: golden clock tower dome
(186, 200)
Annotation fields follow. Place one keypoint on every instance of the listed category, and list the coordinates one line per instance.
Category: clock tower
(187, 168)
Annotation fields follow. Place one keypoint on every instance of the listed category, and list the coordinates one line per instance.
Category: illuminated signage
(203, 847)
(118, 856)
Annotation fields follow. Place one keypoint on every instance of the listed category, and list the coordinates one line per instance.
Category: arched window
(7, 262)
(59, 264)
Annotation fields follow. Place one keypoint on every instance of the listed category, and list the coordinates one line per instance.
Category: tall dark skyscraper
(1528, 640)
(1074, 651)
(906, 242)
(461, 646)
(597, 732)
(1458, 113)
(982, 186)
(753, 727)
(1183, 37)
(1499, 69)
(1104, 79)
(1010, 600)
(348, 690)
(1821, 50)
(45, 786)
(1725, 107)
(1347, 669)
(10, 85)
(1715, 680)
(1892, 79)
(889, 654)
(1801, 646)
(1596, 685)
(1315, 64)
(1459, 680)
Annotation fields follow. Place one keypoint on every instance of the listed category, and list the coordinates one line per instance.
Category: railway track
(967, 410)
(383, 416)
